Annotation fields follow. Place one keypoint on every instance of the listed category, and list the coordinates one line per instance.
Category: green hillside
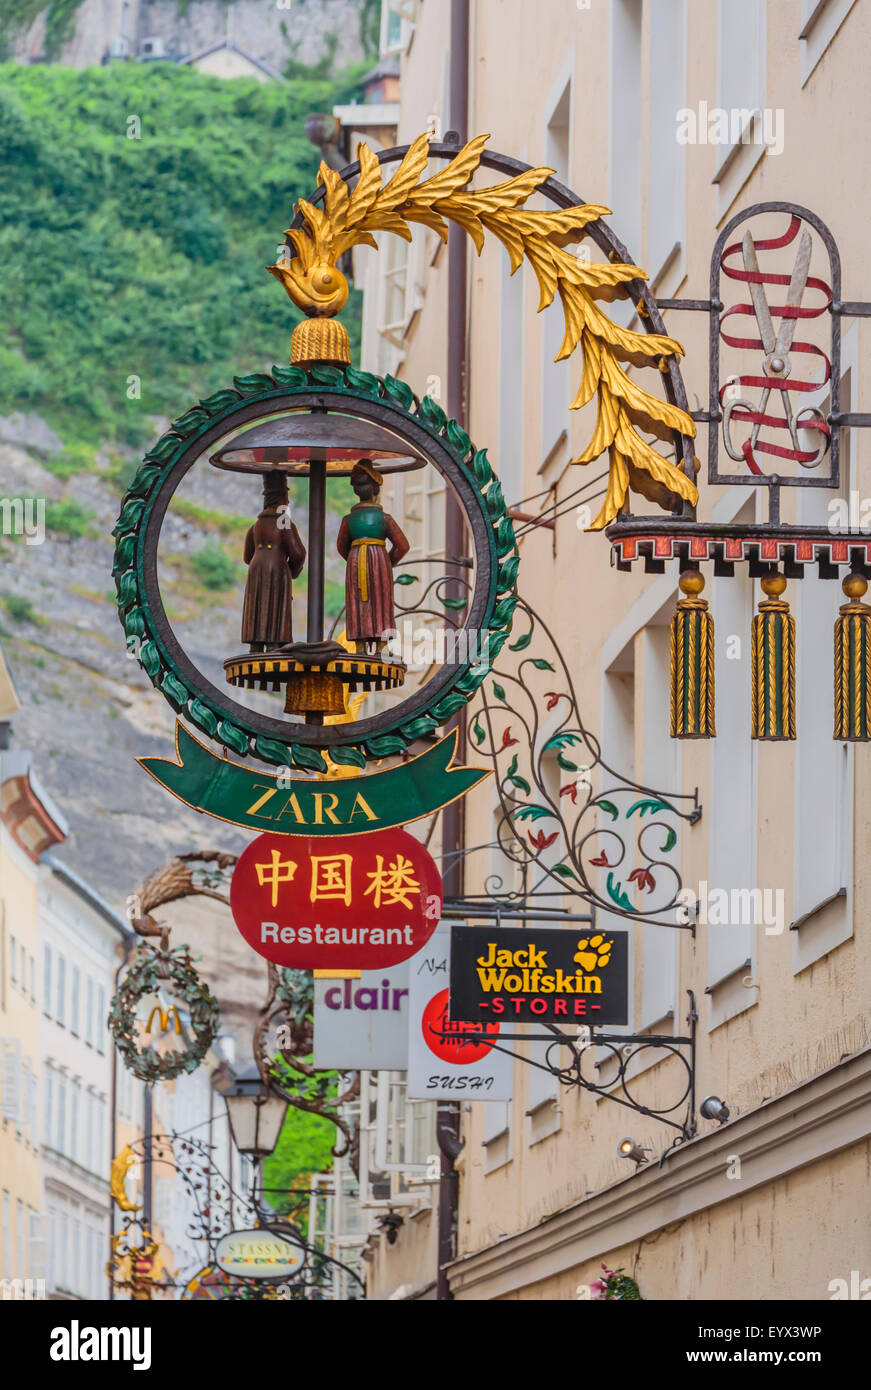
(143, 258)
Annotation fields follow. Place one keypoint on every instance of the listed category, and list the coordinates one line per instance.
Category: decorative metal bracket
(626, 1048)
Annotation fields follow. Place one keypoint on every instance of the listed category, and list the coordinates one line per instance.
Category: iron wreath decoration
(425, 425)
(150, 970)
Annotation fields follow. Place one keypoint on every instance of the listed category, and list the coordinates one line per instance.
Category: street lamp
(256, 1115)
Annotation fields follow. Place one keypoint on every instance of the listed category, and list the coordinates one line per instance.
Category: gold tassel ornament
(853, 664)
(773, 674)
(692, 662)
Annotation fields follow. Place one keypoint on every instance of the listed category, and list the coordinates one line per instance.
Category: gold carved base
(314, 679)
(320, 340)
(314, 692)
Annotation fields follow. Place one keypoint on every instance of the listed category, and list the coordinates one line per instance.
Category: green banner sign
(308, 806)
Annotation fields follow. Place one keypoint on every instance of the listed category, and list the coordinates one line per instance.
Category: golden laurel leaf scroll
(117, 1180)
(349, 218)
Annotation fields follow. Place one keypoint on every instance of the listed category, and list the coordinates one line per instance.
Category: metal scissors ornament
(777, 364)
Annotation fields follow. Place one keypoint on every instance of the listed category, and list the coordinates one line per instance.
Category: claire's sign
(356, 902)
(533, 976)
(362, 1024)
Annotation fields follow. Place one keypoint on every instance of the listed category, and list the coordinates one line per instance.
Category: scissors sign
(776, 365)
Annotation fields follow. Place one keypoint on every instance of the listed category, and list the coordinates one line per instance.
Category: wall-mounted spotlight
(712, 1108)
(629, 1149)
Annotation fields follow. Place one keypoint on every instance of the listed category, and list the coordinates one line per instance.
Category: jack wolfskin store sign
(539, 976)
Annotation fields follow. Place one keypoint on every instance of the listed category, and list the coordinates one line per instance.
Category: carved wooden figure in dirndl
(372, 544)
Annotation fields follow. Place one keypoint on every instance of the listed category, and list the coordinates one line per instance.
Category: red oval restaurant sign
(353, 902)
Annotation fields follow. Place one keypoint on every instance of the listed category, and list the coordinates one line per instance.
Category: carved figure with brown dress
(275, 555)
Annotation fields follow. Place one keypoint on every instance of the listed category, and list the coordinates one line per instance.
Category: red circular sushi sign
(355, 902)
(458, 1043)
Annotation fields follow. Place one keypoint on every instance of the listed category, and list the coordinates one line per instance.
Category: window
(10, 1075)
(497, 1134)
(46, 980)
(620, 691)
(660, 769)
(33, 978)
(75, 1091)
(666, 167)
(101, 1019)
(821, 20)
(555, 376)
(38, 1245)
(740, 93)
(626, 127)
(49, 1107)
(89, 1134)
(101, 1132)
(512, 395)
(397, 25)
(89, 1014)
(13, 960)
(542, 1087)
(22, 1122)
(61, 1134)
(733, 817)
(74, 1001)
(60, 1014)
(63, 1261)
(22, 1269)
(7, 1252)
(77, 1261)
(822, 908)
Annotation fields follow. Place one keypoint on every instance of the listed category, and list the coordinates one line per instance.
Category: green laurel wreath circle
(133, 608)
(144, 977)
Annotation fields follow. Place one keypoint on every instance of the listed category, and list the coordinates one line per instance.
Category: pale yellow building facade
(29, 825)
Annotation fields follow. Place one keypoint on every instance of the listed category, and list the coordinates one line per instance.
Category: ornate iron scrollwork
(621, 830)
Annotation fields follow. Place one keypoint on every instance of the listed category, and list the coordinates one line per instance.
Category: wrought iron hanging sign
(319, 418)
(539, 976)
(775, 412)
(258, 1254)
(172, 971)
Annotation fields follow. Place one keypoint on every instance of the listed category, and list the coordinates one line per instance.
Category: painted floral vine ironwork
(601, 836)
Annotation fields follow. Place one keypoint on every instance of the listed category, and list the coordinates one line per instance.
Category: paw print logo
(594, 952)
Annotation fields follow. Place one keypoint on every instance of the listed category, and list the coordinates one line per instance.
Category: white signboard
(258, 1255)
(362, 1024)
(449, 1061)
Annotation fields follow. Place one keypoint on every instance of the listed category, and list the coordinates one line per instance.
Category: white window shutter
(10, 1072)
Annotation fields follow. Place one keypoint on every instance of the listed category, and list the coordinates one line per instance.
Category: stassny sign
(555, 976)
